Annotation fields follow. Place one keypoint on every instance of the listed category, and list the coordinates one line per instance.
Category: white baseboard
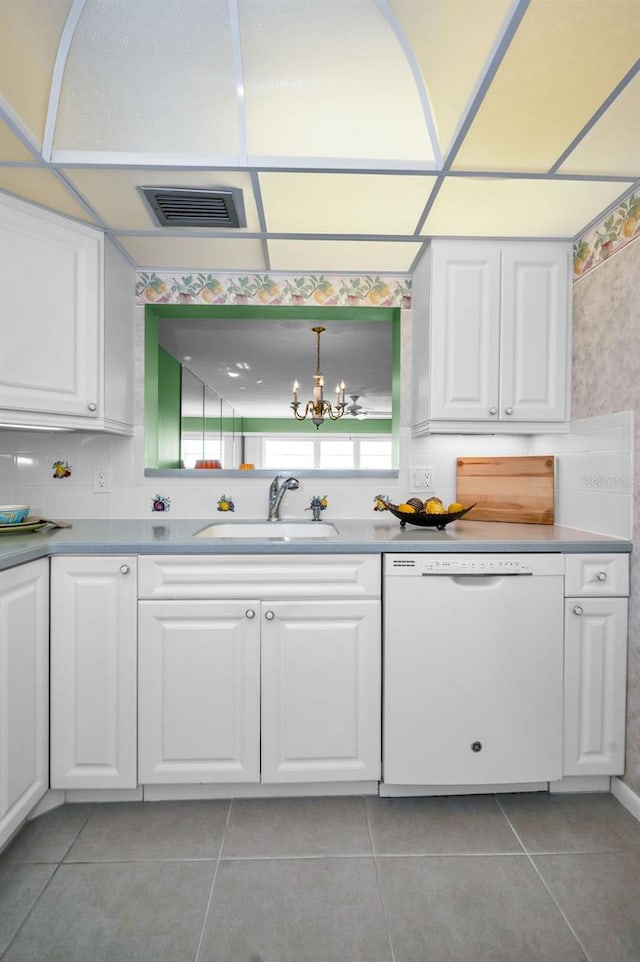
(162, 793)
(626, 796)
(581, 783)
(74, 795)
(53, 799)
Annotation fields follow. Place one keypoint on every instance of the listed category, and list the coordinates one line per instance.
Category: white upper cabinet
(66, 325)
(491, 337)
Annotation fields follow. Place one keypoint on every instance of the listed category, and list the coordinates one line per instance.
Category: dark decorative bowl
(423, 520)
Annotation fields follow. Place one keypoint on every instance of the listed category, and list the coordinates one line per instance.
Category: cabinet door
(465, 330)
(199, 691)
(24, 692)
(320, 691)
(534, 332)
(595, 685)
(50, 346)
(93, 672)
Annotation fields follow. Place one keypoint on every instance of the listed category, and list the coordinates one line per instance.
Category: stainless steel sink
(280, 530)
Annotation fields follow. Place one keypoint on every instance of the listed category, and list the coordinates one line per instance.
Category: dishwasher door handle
(475, 574)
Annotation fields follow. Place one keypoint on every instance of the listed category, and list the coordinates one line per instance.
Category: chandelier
(319, 408)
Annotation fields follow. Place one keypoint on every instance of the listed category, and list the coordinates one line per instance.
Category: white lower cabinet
(321, 691)
(24, 692)
(246, 691)
(272, 689)
(595, 663)
(93, 672)
(595, 672)
(199, 691)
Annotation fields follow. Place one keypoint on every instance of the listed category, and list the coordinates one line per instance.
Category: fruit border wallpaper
(170, 287)
(615, 231)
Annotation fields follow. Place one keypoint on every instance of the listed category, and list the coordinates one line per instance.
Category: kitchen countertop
(162, 536)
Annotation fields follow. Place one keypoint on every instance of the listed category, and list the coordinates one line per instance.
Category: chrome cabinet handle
(124, 569)
(493, 410)
(508, 410)
(602, 576)
(269, 615)
(578, 610)
(92, 406)
(250, 613)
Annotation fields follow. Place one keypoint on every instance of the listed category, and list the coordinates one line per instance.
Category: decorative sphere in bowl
(13, 513)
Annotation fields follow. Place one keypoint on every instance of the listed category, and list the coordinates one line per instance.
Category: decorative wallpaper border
(168, 287)
(614, 232)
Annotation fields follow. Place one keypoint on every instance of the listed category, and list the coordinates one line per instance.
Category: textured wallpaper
(606, 379)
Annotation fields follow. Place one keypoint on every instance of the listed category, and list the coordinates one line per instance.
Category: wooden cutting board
(507, 489)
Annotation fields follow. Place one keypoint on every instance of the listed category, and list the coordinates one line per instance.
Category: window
(289, 452)
(375, 454)
(329, 454)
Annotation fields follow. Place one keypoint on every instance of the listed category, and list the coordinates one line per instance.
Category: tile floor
(507, 878)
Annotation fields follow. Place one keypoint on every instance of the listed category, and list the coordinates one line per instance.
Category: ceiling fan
(355, 409)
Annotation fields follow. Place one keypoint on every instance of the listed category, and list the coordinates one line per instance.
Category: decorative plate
(29, 524)
(424, 520)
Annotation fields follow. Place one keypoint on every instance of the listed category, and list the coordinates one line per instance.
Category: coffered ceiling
(355, 129)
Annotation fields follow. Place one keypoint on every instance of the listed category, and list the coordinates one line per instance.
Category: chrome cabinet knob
(493, 410)
(92, 406)
(269, 615)
(124, 569)
(508, 410)
(250, 613)
(578, 610)
(602, 576)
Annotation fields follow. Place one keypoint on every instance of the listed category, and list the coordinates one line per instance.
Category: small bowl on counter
(13, 513)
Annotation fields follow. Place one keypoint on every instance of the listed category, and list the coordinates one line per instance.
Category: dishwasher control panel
(472, 565)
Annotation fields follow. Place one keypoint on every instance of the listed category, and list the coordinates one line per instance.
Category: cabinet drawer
(596, 575)
(254, 576)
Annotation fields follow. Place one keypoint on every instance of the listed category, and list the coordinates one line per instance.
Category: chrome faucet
(276, 494)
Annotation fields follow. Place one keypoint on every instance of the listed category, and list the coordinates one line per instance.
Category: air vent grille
(195, 207)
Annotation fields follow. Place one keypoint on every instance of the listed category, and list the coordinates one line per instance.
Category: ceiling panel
(325, 108)
(29, 36)
(563, 62)
(159, 76)
(471, 207)
(334, 256)
(451, 59)
(113, 193)
(195, 254)
(326, 81)
(42, 187)
(613, 144)
(346, 203)
(10, 147)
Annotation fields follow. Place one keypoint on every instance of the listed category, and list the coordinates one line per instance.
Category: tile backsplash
(594, 477)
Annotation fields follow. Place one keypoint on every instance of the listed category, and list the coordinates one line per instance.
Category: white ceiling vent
(195, 207)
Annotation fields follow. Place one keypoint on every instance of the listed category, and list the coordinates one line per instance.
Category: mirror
(219, 386)
(209, 426)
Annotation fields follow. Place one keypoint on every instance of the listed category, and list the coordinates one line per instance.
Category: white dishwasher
(473, 669)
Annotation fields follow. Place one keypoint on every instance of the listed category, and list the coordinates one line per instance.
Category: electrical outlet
(421, 478)
(102, 480)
